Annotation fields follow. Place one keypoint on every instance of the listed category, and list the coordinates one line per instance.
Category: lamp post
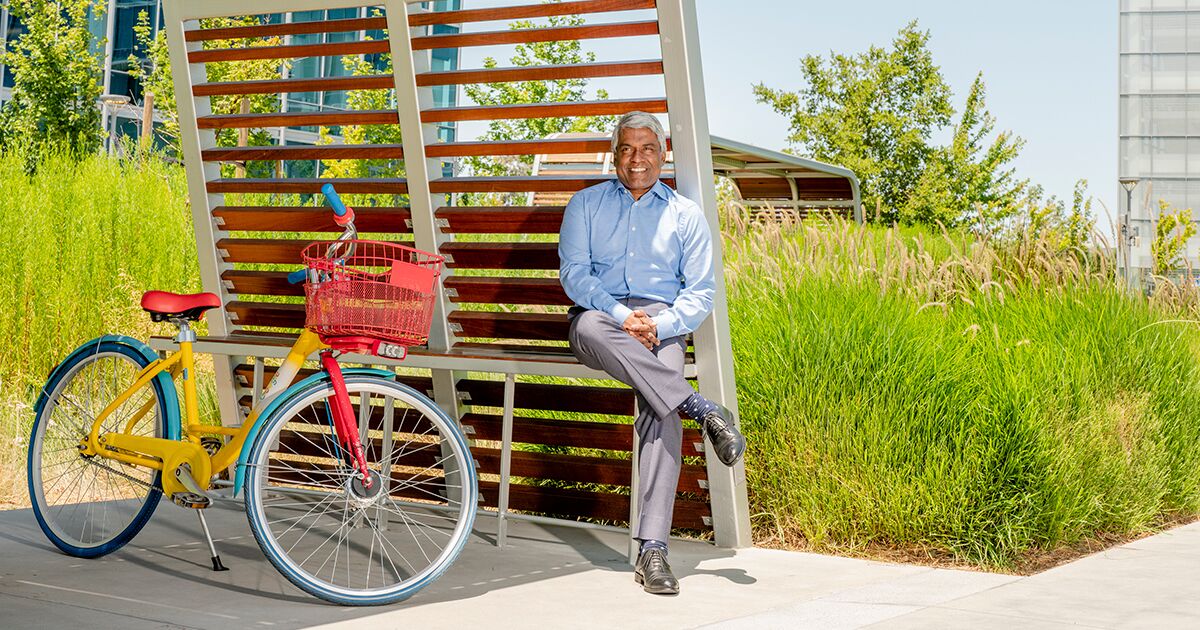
(110, 103)
(1123, 245)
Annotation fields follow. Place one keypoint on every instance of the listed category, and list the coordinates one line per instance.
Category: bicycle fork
(343, 419)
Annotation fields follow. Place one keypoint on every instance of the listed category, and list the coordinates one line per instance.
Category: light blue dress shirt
(658, 247)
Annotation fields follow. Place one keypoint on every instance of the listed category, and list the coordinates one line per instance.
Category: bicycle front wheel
(332, 537)
(88, 505)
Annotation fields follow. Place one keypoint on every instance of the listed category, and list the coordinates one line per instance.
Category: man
(636, 258)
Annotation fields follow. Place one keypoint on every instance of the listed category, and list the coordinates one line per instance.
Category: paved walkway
(554, 577)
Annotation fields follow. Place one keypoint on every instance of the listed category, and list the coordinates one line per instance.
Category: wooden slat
(548, 146)
(279, 86)
(531, 35)
(541, 73)
(261, 282)
(539, 326)
(502, 219)
(299, 185)
(299, 51)
(299, 119)
(310, 219)
(498, 290)
(608, 436)
(303, 152)
(291, 28)
(538, 183)
(611, 508)
(614, 107)
(527, 11)
(579, 468)
(616, 401)
(294, 443)
(267, 314)
(501, 255)
(262, 250)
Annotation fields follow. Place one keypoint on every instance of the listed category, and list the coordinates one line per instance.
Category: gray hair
(640, 120)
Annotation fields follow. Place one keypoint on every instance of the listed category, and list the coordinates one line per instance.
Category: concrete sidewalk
(557, 577)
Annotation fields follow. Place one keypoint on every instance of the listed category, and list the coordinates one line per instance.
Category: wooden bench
(502, 310)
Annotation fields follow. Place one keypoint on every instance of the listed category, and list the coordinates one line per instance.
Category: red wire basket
(382, 290)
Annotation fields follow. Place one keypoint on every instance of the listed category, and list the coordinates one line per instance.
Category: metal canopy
(771, 181)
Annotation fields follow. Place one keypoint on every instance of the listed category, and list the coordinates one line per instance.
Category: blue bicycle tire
(287, 474)
(103, 509)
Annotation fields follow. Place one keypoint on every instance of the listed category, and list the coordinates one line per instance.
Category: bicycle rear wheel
(337, 540)
(89, 506)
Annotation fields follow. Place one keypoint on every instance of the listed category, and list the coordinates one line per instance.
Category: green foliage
(969, 180)
(876, 113)
(1171, 233)
(81, 242)
(155, 73)
(56, 79)
(361, 100)
(961, 402)
(552, 91)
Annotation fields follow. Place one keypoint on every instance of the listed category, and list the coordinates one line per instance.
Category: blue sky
(1050, 68)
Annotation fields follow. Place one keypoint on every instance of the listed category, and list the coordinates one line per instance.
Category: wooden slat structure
(501, 316)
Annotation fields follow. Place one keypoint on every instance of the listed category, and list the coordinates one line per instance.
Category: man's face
(639, 160)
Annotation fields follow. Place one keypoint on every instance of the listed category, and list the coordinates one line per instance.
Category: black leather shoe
(654, 574)
(724, 437)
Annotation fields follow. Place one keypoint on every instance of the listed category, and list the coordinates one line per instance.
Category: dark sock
(696, 406)
(649, 544)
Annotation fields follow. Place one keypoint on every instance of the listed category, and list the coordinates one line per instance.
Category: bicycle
(358, 488)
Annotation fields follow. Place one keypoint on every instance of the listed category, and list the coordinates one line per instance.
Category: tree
(1172, 231)
(873, 113)
(969, 180)
(550, 91)
(56, 78)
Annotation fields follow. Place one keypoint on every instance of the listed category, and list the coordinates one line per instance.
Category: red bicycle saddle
(163, 305)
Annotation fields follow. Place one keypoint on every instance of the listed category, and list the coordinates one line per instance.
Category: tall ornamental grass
(986, 404)
(79, 243)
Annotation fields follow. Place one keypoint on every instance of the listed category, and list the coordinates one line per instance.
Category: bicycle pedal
(191, 500)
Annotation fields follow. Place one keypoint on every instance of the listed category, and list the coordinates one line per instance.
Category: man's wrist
(620, 312)
(665, 323)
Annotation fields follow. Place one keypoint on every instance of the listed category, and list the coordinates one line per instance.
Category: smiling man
(636, 258)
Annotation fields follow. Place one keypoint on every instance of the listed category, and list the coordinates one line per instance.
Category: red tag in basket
(412, 277)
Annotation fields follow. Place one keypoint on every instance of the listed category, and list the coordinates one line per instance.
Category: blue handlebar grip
(298, 276)
(339, 208)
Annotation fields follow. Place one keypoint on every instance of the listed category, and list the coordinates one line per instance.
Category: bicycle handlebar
(342, 214)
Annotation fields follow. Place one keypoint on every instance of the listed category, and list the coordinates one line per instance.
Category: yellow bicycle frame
(168, 455)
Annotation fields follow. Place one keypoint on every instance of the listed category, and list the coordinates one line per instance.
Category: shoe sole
(637, 577)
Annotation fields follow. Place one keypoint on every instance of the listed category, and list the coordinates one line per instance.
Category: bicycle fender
(240, 475)
(170, 396)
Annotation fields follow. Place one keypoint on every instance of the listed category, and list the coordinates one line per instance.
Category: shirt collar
(659, 189)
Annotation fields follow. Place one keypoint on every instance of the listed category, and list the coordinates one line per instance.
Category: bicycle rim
(90, 506)
(340, 541)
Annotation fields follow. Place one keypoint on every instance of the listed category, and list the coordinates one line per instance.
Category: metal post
(694, 177)
(635, 511)
(506, 431)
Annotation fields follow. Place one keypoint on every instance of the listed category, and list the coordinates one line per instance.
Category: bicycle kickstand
(216, 559)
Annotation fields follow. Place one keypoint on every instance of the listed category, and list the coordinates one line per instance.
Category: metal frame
(691, 145)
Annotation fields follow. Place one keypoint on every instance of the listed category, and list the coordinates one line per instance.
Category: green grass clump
(80, 242)
(972, 411)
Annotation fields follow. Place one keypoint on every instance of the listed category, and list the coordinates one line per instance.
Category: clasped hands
(641, 327)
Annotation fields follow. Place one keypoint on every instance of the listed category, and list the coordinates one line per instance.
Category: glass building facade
(1159, 87)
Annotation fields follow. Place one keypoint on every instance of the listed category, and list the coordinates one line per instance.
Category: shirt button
(630, 253)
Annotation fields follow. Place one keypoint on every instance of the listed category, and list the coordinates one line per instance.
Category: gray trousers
(599, 342)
